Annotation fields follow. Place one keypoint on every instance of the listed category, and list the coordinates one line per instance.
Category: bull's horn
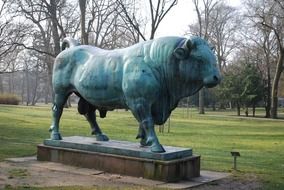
(69, 42)
(189, 44)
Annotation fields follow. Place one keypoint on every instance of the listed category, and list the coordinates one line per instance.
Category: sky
(177, 20)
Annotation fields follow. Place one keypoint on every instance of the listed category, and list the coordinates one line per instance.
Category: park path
(28, 172)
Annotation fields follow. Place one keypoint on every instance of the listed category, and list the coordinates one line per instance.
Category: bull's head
(197, 62)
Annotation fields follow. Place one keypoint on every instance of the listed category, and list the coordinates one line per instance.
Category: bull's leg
(91, 117)
(151, 137)
(102, 113)
(142, 134)
(57, 108)
(142, 112)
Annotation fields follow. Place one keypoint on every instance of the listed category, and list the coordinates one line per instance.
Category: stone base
(161, 168)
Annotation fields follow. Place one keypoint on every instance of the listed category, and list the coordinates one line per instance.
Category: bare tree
(267, 46)
(130, 22)
(104, 27)
(269, 14)
(46, 24)
(102, 21)
(158, 10)
(224, 24)
(13, 67)
(204, 11)
(204, 29)
(263, 41)
(52, 12)
(36, 13)
(131, 18)
(11, 34)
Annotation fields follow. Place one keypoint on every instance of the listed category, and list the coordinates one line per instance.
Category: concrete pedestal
(122, 157)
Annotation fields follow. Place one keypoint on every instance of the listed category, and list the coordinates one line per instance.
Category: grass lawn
(213, 135)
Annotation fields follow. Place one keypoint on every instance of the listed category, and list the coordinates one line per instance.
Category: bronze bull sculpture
(148, 78)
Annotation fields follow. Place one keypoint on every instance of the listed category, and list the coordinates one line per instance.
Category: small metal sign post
(235, 154)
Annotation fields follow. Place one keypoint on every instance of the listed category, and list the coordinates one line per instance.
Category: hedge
(11, 99)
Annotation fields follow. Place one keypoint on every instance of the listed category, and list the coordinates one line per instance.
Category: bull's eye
(200, 61)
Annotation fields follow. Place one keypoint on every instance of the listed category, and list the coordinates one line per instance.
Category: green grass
(8, 187)
(213, 135)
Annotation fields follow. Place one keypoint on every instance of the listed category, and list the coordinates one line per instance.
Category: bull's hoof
(102, 137)
(157, 148)
(55, 136)
(143, 142)
(139, 136)
(51, 128)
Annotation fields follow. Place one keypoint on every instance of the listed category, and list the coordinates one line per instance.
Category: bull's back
(93, 73)
(97, 74)
(99, 80)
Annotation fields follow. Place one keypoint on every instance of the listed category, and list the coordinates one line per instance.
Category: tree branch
(136, 27)
(275, 32)
(34, 49)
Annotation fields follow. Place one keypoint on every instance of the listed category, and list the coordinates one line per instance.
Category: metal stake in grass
(235, 154)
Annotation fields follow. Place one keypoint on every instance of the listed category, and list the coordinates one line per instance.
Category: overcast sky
(178, 19)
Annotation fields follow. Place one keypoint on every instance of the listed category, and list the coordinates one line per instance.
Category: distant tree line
(249, 43)
(31, 31)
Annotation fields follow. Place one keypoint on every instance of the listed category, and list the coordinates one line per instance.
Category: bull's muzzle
(211, 81)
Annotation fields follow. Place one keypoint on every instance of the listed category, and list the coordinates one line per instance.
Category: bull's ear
(180, 53)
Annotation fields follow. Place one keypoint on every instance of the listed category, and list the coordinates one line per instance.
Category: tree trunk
(187, 110)
(152, 34)
(169, 124)
(268, 91)
(201, 101)
(11, 82)
(1, 84)
(47, 90)
(274, 102)
(55, 34)
(84, 34)
(267, 110)
(48, 60)
(214, 106)
(246, 111)
(161, 128)
(268, 98)
(34, 95)
(253, 110)
(238, 109)
(49, 81)
(27, 87)
(23, 89)
(274, 95)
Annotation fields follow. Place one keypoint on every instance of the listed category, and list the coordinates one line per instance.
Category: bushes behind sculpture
(11, 99)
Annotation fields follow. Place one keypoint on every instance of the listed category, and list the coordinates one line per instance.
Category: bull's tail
(69, 42)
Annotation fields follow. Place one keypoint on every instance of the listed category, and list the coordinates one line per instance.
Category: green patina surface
(148, 78)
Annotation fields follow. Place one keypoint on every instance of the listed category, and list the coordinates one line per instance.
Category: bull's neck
(176, 88)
